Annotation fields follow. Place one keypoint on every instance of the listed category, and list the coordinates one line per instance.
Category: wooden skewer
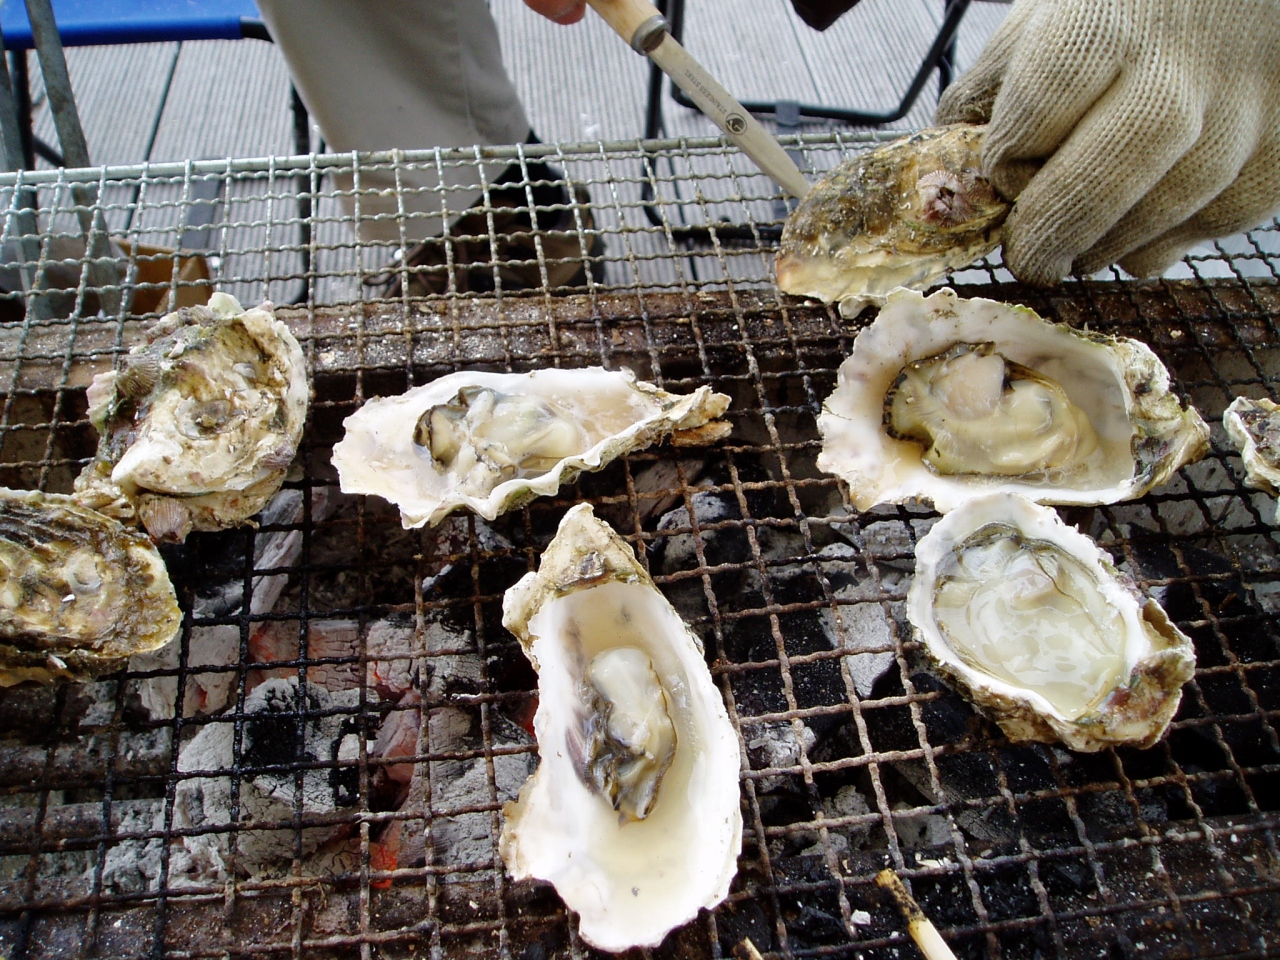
(924, 933)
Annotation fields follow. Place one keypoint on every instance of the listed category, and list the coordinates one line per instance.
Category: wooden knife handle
(625, 16)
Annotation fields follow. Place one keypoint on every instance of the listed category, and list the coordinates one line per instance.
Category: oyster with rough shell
(492, 441)
(1254, 428)
(945, 398)
(633, 813)
(901, 215)
(79, 591)
(200, 423)
(1031, 619)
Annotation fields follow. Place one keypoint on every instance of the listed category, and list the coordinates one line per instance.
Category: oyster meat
(200, 423)
(1031, 619)
(79, 591)
(633, 813)
(901, 215)
(492, 441)
(1254, 428)
(945, 398)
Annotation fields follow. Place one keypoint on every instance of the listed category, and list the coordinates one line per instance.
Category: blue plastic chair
(83, 23)
(88, 23)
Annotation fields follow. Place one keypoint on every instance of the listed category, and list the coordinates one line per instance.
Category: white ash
(269, 738)
(847, 802)
(459, 670)
(134, 865)
(859, 623)
(469, 838)
(864, 627)
(219, 645)
(774, 746)
(453, 537)
(923, 830)
(679, 550)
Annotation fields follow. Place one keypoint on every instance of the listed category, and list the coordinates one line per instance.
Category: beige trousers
(407, 74)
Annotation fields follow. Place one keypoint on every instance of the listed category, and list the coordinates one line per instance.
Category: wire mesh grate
(319, 765)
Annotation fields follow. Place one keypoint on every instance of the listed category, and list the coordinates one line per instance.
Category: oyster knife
(641, 24)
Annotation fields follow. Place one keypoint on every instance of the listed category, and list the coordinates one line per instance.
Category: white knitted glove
(1127, 130)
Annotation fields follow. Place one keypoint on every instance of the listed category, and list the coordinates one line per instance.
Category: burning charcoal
(276, 641)
(276, 713)
(657, 490)
(218, 645)
(398, 738)
(397, 674)
(719, 546)
(459, 821)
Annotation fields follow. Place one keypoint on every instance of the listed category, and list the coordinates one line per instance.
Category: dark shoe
(509, 253)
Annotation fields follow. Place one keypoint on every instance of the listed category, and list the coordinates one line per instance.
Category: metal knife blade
(641, 24)
(728, 114)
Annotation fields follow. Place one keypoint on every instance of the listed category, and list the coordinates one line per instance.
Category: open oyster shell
(945, 398)
(1031, 619)
(901, 215)
(633, 813)
(492, 441)
(1254, 429)
(200, 423)
(79, 591)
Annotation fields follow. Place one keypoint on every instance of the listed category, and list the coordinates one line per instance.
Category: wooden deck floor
(213, 99)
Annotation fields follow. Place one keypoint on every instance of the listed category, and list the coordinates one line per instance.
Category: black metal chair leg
(941, 56)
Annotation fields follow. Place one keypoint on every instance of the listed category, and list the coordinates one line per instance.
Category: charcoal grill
(1012, 850)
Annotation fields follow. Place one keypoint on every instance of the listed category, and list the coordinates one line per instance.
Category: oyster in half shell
(901, 215)
(633, 813)
(1044, 635)
(200, 423)
(1254, 429)
(79, 591)
(945, 398)
(492, 441)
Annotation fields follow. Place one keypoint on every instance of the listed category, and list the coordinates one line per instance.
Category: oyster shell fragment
(1031, 619)
(492, 441)
(200, 423)
(1254, 429)
(633, 813)
(901, 215)
(945, 398)
(79, 591)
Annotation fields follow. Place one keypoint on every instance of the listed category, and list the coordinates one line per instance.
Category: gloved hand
(561, 11)
(1127, 130)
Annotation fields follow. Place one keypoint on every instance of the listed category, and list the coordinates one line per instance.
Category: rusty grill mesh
(312, 833)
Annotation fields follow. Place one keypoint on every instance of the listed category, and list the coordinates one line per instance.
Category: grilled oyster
(945, 398)
(1254, 428)
(492, 441)
(1041, 631)
(901, 215)
(633, 812)
(79, 591)
(200, 423)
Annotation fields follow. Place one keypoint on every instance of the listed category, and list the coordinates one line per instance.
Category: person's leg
(409, 74)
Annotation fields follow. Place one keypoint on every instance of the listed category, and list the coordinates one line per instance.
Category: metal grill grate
(303, 832)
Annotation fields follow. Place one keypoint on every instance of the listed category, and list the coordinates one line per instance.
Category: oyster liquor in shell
(945, 398)
(490, 442)
(1041, 631)
(633, 813)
